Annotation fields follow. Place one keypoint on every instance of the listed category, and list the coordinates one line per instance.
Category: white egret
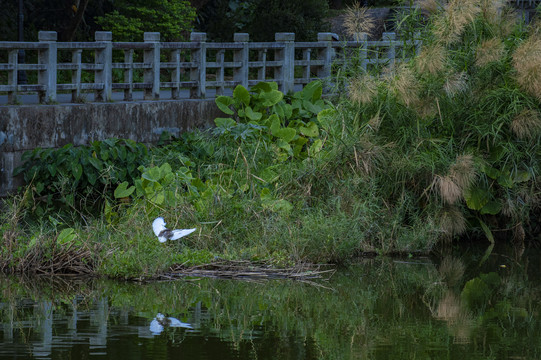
(164, 234)
(160, 322)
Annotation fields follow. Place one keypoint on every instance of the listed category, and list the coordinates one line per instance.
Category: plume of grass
(448, 307)
(527, 124)
(461, 175)
(518, 233)
(527, 63)
(368, 156)
(463, 171)
(455, 84)
(375, 122)
(450, 25)
(357, 20)
(363, 89)
(492, 10)
(432, 59)
(500, 16)
(448, 189)
(491, 50)
(452, 221)
(403, 84)
(452, 270)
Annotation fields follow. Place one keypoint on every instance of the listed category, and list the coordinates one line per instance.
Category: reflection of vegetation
(376, 309)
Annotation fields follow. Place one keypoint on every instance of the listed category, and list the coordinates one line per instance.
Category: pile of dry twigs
(246, 270)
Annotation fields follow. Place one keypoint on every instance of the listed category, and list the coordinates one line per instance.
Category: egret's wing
(158, 225)
(177, 234)
(173, 322)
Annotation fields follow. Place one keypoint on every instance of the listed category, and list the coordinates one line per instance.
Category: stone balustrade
(186, 69)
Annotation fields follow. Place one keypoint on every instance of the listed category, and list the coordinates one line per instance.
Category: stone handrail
(196, 65)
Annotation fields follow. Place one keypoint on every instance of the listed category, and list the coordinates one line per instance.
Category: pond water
(470, 306)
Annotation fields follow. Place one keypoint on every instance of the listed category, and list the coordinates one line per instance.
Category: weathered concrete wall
(25, 128)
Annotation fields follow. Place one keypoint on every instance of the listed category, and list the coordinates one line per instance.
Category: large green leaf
(76, 170)
(263, 87)
(521, 176)
(123, 190)
(241, 94)
(315, 148)
(223, 103)
(253, 115)
(491, 172)
(311, 107)
(310, 130)
(324, 117)
(487, 231)
(272, 97)
(312, 91)
(505, 180)
(286, 134)
(274, 124)
(225, 123)
(492, 208)
(66, 236)
(476, 197)
(152, 174)
(96, 163)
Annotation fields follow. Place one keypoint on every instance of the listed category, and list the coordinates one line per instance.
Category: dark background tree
(72, 19)
(262, 18)
(77, 20)
(130, 19)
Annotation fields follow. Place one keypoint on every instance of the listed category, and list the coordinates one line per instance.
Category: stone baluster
(47, 76)
(76, 95)
(240, 74)
(104, 58)
(286, 72)
(198, 72)
(152, 57)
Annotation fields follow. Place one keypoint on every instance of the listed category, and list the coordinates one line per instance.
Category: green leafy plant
(75, 177)
(290, 122)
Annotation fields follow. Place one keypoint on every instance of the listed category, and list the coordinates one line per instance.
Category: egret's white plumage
(164, 234)
(160, 321)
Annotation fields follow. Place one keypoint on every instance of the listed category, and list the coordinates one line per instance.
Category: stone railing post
(12, 75)
(198, 72)
(362, 38)
(128, 75)
(262, 71)
(326, 54)
(104, 57)
(47, 57)
(391, 53)
(152, 57)
(220, 60)
(286, 73)
(174, 58)
(240, 74)
(76, 75)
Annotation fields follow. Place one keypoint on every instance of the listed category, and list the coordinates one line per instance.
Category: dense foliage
(130, 19)
(78, 20)
(263, 18)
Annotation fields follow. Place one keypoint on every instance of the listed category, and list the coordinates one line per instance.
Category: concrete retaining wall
(25, 128)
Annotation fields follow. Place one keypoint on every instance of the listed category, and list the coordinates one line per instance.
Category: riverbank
(422, 154)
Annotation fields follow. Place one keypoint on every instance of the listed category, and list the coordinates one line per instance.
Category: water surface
(454, 307)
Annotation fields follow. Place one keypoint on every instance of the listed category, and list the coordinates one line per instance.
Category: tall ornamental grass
(461, 121)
